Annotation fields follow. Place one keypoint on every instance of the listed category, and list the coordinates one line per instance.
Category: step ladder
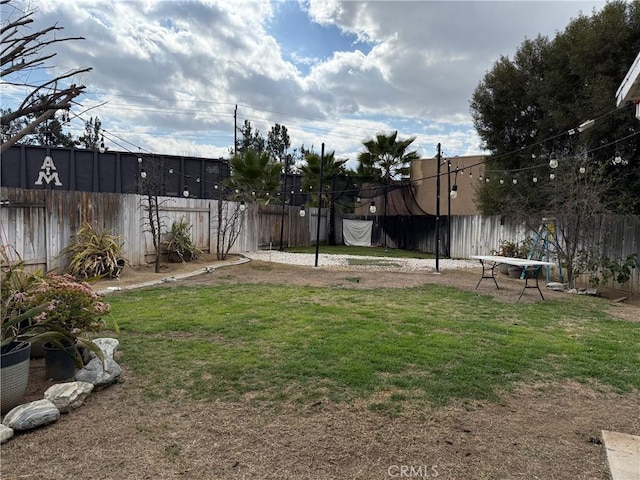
(543, 239)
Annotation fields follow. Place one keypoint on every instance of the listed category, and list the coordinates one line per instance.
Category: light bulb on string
(454, 192)
(617, 159)
(552, 176)
(302, 212)
(501, 181)
(185, 192)
(171, 170)
(535, 179)
(515, 181)
(553, 160)
(143, 174)
(583, 169)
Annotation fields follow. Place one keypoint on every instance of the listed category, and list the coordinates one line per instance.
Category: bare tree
(22, 52)
(151, 187)
(230, 220)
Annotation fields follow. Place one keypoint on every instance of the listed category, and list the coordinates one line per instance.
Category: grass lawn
(433, 344)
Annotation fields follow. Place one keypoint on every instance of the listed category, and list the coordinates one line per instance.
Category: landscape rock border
(63, 397)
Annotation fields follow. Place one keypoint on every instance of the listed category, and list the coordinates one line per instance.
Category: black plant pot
(59, 363)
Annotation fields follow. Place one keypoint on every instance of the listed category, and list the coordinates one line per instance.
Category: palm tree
(311, 172)
(331, 169)
(254, 176)
(386, 160)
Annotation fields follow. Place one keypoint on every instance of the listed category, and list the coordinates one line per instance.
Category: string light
(454, 191)
(617, 159)
(185, 192)
(553, 160)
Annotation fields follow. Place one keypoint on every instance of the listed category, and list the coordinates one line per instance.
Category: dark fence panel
(54, 168)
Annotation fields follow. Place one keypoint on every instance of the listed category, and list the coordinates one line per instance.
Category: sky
(167, 76)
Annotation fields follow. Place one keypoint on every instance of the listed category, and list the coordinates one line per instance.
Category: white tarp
(357, 233)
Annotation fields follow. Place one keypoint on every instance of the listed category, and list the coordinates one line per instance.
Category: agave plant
(179, 245)
(95, 254)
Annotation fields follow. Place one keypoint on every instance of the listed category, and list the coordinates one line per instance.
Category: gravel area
(353, 261)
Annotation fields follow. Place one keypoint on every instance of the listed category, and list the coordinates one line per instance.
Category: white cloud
(172, 72)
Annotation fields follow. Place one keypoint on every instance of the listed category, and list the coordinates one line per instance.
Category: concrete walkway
(623, 455)
(174, 278)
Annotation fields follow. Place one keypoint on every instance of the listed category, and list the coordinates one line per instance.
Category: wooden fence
(479, 235)
(40, 223)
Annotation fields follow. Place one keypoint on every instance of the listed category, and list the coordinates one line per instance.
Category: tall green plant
(95, 253)
(179, 244)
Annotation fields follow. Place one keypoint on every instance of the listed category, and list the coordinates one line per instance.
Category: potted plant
(41, 308)
(95, 254)
(69, 310)
(179, 246)
(14, 348)
(506, 249)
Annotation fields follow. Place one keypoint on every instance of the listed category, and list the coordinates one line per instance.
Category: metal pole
(384, 221)
(438, 156)
(448, 251)
(235, 131)
(319, 204)
(283, 198)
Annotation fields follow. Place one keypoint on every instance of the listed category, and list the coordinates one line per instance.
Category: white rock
(555, 286)
(68, 396)
(109, 347)
(94, 373)
(32, 415)
(5, 433)
(383, 263)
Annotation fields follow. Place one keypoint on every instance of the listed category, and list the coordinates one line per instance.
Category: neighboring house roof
(629, 90)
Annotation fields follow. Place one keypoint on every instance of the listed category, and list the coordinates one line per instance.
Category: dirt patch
(537, 431)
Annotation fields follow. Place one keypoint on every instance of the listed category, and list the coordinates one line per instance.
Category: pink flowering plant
(49, 308)
(69, 305)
